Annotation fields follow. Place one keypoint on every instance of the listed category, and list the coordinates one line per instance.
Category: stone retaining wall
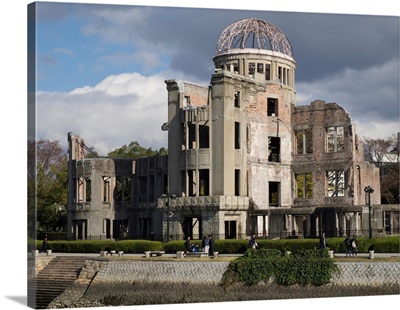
(212, 272)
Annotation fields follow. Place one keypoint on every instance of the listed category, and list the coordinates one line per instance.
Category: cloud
(370, 95)
(120, 109)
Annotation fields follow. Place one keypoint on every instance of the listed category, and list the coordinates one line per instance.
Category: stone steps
(58, 275)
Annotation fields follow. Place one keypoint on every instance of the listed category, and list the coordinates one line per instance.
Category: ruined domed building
(242, 159)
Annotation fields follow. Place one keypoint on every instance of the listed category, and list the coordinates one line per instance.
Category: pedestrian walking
(354, 246)
(347, 243)
(322, 241)
(211, 245)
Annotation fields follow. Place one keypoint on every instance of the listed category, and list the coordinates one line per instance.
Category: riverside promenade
(133, 279)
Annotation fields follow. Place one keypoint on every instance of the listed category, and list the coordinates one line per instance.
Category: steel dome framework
(253, 33)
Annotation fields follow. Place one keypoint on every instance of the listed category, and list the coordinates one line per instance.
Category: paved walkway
(383, 255)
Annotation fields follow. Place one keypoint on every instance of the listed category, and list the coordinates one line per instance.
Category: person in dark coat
(322, 242)
(211, 245)
(45, 245)
(187, 245)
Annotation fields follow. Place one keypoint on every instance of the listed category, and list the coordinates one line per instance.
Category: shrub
(313, 267)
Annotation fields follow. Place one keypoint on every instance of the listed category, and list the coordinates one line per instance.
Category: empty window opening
(106, 188)
(186, 101)
(304, 141)
(204, 176)
(142, 189)
(237, 182)
(260, 68)
(334, 139)
(274, 148)
(237, 99)
(88, 189)
(304, 185)
(80, 189)
(335, 183)
(267, 72)
(192, 136)
(204, 136)
(118, 188)
(183, 184)
(230, 230)
(237, 135)
(274, 197)
(280, 74)
(192, 183)
(183, 132)
(272, 108)
(107, 228)
(252, 68)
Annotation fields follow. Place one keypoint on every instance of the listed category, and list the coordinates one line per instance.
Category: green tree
(135, 151)
(47, 186)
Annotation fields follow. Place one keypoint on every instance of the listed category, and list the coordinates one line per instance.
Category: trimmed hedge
(90, 246)
(228, 246)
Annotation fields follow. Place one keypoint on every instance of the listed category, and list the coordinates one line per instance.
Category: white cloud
(120, 109)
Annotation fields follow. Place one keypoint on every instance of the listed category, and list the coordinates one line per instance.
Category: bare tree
(384, 153)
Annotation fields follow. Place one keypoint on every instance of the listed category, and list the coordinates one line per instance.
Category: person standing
(205, 244)
(211, 245)
(354, 246)
(253, 242)
(322, 242)
(45, 245)
(187, 245)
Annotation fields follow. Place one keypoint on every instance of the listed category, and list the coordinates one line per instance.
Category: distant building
(242, 158)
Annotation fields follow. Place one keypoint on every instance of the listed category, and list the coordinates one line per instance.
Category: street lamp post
(368, 190)
(167, 198)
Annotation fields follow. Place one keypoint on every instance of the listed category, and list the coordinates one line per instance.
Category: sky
(101, 64)
(100, 68)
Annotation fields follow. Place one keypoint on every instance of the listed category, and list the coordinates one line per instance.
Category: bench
(197, 254)
(111, 253)
(149, 254)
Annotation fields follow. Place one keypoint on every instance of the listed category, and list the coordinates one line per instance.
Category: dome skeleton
(264, 35)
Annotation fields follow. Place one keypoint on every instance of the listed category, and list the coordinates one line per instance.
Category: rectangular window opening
(334, 139)
(252, 68)
(304, 141)
(267, 72)
(237, 99)
(88, 189)
(335, 183)
(204, 136)
(230, 229)
(273, 194)
(304, 185)
(204, 176)
(237, 135)
(274, 148)
(237, 182)
(192, 136)
(260, 68)
(272, 107)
